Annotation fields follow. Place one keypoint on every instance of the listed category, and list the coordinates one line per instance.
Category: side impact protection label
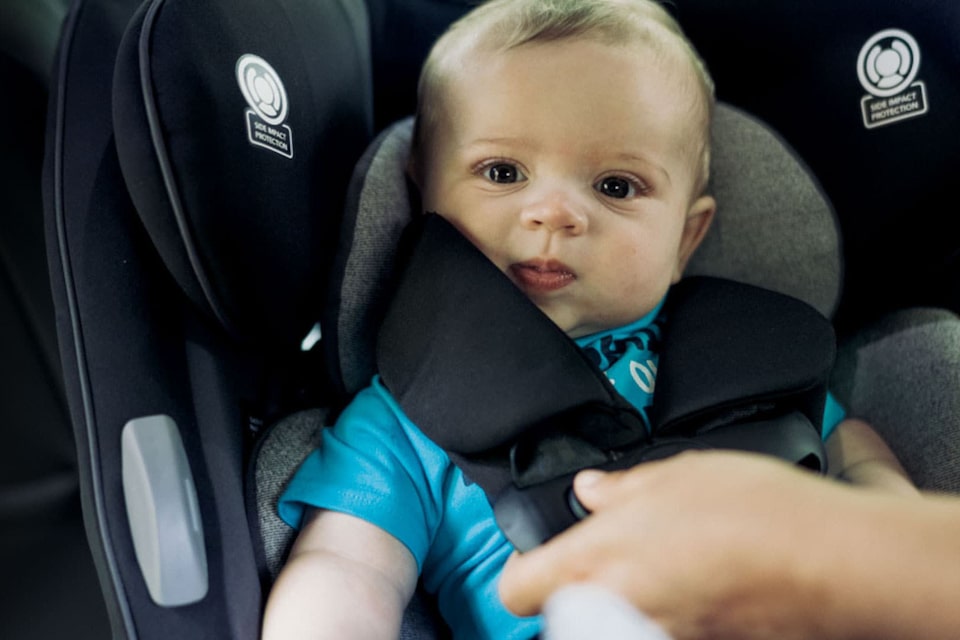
(887, 67)
(267, 100)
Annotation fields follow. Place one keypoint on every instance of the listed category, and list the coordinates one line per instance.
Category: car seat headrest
(774, 229)
(236, 138)
(775, 226)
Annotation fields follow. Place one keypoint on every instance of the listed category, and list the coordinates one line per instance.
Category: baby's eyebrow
(628, 157)
(508, 141)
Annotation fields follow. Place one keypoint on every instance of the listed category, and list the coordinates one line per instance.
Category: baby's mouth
(542, 276)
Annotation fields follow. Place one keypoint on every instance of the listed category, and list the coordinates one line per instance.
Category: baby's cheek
(637, 295)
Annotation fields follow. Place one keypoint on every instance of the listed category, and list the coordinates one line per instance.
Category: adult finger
(529, 578)
(576, 554)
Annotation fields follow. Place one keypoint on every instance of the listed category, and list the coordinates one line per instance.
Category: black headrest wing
(731, 348)
(236, 139)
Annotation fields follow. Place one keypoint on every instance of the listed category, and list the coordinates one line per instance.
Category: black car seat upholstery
(197, 158)
(192, 214)
(884, 160)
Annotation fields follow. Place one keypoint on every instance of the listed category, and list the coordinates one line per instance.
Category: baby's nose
(556, 211)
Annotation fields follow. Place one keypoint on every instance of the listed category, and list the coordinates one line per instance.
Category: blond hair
(501, 25)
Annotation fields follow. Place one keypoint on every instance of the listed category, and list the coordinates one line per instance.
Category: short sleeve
(369, 466)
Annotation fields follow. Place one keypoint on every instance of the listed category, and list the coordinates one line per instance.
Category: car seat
(191, 254)
(187, 241)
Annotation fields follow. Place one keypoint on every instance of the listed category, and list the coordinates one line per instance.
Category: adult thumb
(589, 487)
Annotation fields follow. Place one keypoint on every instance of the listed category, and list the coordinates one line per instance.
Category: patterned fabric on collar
(629, 355)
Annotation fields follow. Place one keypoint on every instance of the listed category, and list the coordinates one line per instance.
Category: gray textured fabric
(774, 227)
(281, 452)
(383, 210)
(903, 376)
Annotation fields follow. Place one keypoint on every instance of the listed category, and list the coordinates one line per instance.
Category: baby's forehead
(660, 45)
(665, 51)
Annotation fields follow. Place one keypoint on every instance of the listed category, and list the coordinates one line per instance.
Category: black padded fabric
(795, 66)
(96, 259)
(727, 347)
(132, 343)
(243, 206)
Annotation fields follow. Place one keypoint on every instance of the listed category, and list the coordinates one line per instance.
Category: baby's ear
(695, 228)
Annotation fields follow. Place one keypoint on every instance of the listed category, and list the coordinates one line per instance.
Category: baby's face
(570, 166)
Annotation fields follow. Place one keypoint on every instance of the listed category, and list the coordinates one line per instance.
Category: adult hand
(735, 545)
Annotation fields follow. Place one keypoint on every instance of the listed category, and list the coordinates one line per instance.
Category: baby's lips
(542, 275)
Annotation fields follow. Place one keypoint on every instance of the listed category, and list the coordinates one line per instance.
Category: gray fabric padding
(282, 451)
(902, 375)
(774, 227)
(379, 190)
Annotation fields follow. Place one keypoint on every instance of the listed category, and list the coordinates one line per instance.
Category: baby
(569, 141)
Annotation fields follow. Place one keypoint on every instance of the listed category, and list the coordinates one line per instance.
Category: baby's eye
(505, 173)
(616, 187)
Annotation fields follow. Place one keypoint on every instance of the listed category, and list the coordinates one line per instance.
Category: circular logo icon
(888, 62)
(262, 88)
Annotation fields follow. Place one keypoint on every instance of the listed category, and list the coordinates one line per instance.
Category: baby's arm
(857, 453)
(345, 578)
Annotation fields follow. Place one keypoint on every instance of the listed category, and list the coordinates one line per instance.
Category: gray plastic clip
(162, 510)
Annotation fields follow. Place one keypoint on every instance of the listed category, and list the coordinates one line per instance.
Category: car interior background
(165, 247)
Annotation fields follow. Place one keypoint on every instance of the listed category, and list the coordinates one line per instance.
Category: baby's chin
(578, 326)
(573, 327)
